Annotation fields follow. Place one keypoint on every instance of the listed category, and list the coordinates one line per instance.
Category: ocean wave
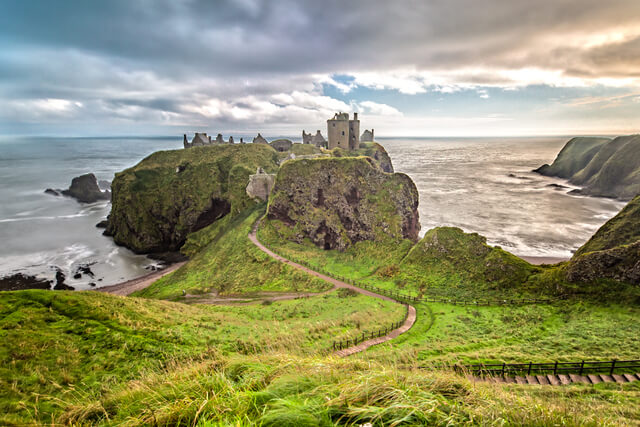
(46, 218)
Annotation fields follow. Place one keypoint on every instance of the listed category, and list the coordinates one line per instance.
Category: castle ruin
(343, 133)
(260, 184)
(201, 139)
(367, 136)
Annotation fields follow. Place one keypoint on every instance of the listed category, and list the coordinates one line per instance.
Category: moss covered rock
(338, 201)
(458, 256)
(613, 252)
(173, 193)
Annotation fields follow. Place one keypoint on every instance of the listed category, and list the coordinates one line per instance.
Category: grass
(225, 262)
(285, 390)
(83, 343)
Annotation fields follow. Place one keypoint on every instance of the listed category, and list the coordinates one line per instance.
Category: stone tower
(344, 133)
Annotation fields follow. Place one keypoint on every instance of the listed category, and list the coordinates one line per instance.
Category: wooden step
(510, 380)
(564, 379)
(579, 379)
(607, 378)
(553, 380)
(630, 377)
(595, 379)
(542, 380)
(497, 380)
(521, 380)
(532, 380)
(619, 378)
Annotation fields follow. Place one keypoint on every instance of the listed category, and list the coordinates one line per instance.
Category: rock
(53, 192)
(603, 167)
(336, 202)
(557, 186)
(19, 282)
(92, 284)
(84, 269)
(77, 276)
(102, 224)
(85, 189)
(168, 257)
(154, 208)
(60, 285)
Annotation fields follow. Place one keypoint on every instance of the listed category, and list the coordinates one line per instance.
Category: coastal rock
(603, 167)
(19, 282)
(154, 208)
(613, 252)
(102, 224)
(60, 282)
(85, 189)
(53, 192)
(336, 202)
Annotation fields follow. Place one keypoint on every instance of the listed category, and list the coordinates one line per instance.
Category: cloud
(375, 108)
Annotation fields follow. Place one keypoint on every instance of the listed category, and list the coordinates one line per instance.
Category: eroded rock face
(337, 202)
(621, 264)
(85, 189)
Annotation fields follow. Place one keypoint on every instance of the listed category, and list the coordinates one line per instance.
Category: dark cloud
(142, 58)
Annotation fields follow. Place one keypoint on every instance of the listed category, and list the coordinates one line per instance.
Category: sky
(409, 67)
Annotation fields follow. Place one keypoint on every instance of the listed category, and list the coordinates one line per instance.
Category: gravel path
(408, 323)
(130, 286)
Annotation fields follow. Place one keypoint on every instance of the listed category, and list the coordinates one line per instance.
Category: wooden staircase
(562, 379)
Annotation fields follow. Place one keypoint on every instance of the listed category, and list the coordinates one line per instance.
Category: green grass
(83, 343)
(224, 261)
(284, 390)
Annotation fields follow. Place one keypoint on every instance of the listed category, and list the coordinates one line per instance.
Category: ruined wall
(260, 185)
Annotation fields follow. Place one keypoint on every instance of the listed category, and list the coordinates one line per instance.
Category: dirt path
(408, 323)
(130, 286)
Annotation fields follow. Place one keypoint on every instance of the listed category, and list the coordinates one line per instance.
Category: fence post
(503, 366)
(613, 366)
(581, 367)
(529, 371)
(334, 346)
(555, 368)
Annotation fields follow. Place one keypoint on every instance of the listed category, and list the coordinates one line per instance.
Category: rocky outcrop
(85, 189)
(336, 202)
(613, 252)
(19, 282)
(170, 194)
(601, 166)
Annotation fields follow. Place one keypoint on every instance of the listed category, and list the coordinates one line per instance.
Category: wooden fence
(555, 368)
(348, 342)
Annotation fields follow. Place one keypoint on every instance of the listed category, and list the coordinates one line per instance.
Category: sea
(481, 185)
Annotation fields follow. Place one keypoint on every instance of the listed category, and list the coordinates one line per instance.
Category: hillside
(574, 156)
(603, 167)
(170, 194)
(339, 201)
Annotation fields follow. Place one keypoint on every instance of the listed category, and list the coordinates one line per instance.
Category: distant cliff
(601, 166)
(338, 201)
(170, 194)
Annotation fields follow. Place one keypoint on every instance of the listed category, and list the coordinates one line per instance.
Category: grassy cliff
(603, 167)
(339, 201)
(573, 157)
(170, 194)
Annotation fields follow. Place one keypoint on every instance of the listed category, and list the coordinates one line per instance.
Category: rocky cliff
(603, 167)
(338, 201)
(170, 194)
(613, 252)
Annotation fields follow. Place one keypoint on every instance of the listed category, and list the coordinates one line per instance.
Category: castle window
(342, 132)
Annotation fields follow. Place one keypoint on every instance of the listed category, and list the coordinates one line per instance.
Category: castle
(342, 133)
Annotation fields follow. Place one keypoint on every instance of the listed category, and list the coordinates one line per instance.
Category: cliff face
(613, 252)
(170, 194)
(603, 167)
(336, 202)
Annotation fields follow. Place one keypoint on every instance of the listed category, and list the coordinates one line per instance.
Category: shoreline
(539, 260)
(130, 286)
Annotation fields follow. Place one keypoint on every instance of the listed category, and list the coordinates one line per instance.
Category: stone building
(259, 139)
(367, 136)
(282, 145)
(260, 184)
(198, 140)
(343, 133)
(317, 139)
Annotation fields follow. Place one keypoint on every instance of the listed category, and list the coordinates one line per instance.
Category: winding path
(408, 323)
